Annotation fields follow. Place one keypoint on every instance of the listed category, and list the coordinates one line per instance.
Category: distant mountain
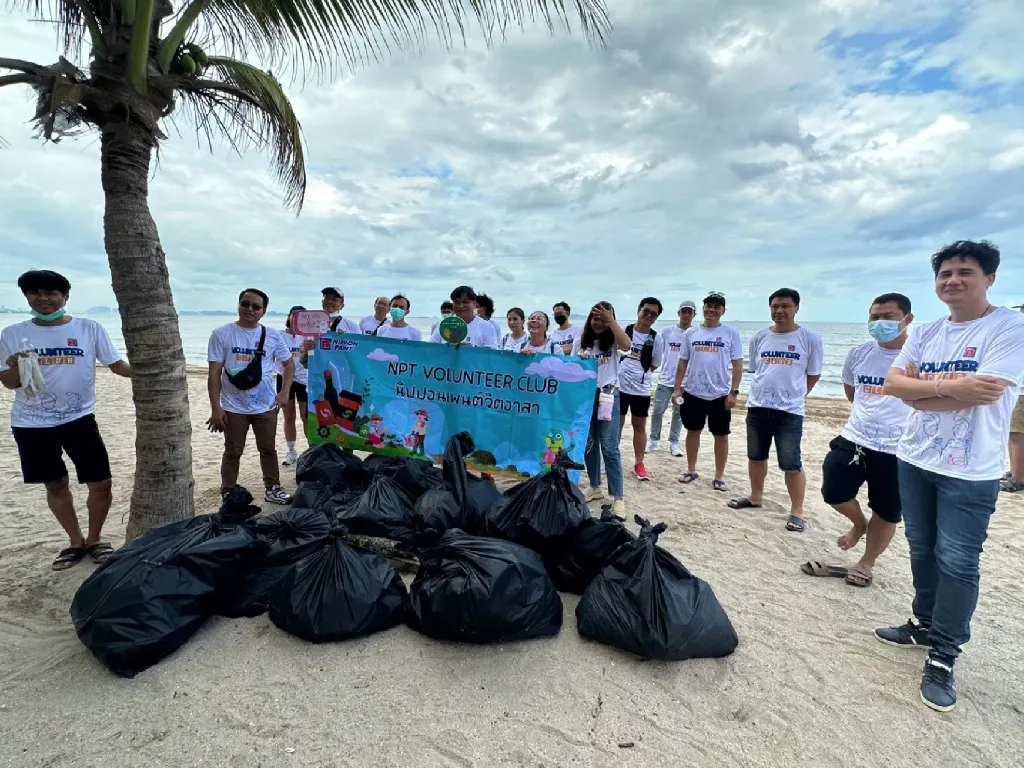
(101, 311)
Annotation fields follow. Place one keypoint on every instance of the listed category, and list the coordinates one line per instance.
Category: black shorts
(41, 448)
(695, 413)
(765, 425)
(298, 390)
(638, 405)
(848, 466)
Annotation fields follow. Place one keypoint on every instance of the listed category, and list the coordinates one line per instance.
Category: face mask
(51, 317)
(397, 314)
(560, 319)
(884, 330)
(333, 315)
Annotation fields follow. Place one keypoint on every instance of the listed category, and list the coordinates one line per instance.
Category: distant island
(202, 313)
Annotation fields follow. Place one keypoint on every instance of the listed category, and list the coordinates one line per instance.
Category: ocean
(838, 339)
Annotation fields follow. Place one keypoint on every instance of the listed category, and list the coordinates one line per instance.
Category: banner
(406, 398)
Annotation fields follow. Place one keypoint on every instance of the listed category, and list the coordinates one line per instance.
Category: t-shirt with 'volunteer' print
(969, 444)
(674, 341)
(567, 338)
(234, 347)
(709, 355)
(781, 363)
(607, 362)
(633, 379)
(876, 421)
(294, 343)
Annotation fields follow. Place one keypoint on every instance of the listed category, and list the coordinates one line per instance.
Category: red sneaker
(641, 472)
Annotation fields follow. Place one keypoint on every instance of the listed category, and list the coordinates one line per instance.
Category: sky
(737, 146)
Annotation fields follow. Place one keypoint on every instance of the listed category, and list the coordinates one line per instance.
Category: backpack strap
(263, 338)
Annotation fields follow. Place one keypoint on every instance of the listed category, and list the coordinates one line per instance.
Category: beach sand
(808, 686)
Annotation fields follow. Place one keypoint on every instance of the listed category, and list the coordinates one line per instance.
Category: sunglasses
(249, 305)
(649, 312)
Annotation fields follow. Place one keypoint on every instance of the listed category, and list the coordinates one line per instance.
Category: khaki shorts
(1017, 422)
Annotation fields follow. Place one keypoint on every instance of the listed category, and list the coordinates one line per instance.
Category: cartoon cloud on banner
(557, 368)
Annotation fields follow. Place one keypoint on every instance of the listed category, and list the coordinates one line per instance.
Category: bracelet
(937, 393)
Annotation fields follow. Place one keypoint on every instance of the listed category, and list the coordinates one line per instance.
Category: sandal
(688, 478)
(814, 568)
(99, 551)
(796, 524)
(743, 503)
(1009, 485)
(857, 578)
(719, 485)
(68, 557)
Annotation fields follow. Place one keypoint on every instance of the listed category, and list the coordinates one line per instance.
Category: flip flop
(814, 568)
(99, 551)
(688, 478)
(743, 503)
(857, 578)
(796, 524)
(1011, 486)
(719, 485)
(68, 557)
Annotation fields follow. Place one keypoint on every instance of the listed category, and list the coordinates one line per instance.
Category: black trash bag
(435, 512)
(383, 510)
(291, 534)
(474, 495)
(647, 603)
(382, 465)
(478, 590)
(151, 596)
(544, 513)
(311, 495)
(328, 464)
(337, 593)
(591, 547)
(416, 477)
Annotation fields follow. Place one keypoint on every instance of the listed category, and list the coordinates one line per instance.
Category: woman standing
(297, 398)
(603, 340)
(537, 340)
(515, 339)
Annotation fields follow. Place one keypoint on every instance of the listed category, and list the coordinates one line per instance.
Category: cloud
(556, 368)
(381, 356)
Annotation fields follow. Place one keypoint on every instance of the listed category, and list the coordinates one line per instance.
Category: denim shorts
(765, 425)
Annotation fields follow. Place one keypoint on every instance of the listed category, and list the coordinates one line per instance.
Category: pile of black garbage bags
(491, 566)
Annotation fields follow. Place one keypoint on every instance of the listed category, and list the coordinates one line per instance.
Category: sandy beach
(808, 686)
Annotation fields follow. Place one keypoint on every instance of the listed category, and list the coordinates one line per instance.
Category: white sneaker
(290, 459)
(653, 445)
(676, 450)
(277, 495)
(593, 494)
(619, 508)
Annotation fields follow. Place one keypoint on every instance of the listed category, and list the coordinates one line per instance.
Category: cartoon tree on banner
(362, 422)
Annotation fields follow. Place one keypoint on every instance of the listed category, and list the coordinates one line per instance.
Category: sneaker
(593, 494)
(619, 508)
(290, 459)
(641, 472)
(675, 450)
(277, 495)
(910, 635)
(653, 445)
(938, 688)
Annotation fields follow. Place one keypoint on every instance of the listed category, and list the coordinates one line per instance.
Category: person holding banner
(298, 388)
(480, 332)
(515, 339)
(538, 342)
(604, 340)
(398, 328)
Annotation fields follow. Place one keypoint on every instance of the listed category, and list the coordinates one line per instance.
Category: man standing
(786, 361)
(373, 323)
(397, 327)
(485, 310)
(1013, 481)
(708, 379)
(565, 333)
(333, 301)
(865, 451)
(962, 375)
(635, 375)
(674, 340)
(242, 393)
(447, 310)
(61, 420)
(481, 333)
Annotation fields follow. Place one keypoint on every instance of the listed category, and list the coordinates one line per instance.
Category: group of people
(932, 414)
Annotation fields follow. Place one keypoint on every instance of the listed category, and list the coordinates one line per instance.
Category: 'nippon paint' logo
(342, 345)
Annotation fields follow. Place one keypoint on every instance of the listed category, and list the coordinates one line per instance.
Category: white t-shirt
(409, 333)
(567, 338)
(969, 443)
(876, 421)
(294, 343)
(710, 353)
(509, 344)
(235, 346)
(674, 342)
(371, 324)
(67, 356)
(481, 334)
(781, 363)
(344, 326)
(607, 362)
(496, 326)
(547, 348)
(632, 379)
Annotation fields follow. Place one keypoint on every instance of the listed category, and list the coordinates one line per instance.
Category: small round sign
(453, 329)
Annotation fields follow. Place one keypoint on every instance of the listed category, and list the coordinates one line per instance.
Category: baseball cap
(333, 291)
(715, 298)
(687, 305)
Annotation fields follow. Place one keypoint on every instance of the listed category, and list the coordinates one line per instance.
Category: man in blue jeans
(962, 375)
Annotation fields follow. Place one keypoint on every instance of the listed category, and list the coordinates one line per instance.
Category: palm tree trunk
(163, 489)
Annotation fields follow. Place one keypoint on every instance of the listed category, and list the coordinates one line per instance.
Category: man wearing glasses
(233, 347)
(636, 374)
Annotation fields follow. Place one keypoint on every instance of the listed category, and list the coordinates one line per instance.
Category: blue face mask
(397, 314)
(884, 331)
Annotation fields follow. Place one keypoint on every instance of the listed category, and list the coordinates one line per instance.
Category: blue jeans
(662, 402)
(946, 521)
(604, 441)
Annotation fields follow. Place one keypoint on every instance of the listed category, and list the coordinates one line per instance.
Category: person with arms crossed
(786, 361)
(371, 324)
(707, 378)
(962, 376)
(865, 451)
(635, 373)
(565, 333)
(61, 419)
(666, 382)
(298, 400)
(243, 353)
(481, 333)
(397, 327)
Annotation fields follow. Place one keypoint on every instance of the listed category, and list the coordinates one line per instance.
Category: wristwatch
(734, 392)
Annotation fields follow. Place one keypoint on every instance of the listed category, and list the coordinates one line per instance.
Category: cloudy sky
(738, 145)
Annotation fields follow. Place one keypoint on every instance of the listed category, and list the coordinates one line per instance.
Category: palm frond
(248, 108)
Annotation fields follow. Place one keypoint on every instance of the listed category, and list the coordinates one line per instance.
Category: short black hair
(516, 311)
(650, 300)
(487, 303)
(898, 299)
(785, 293)
(44, 280)
(403, 297)
(568, 309)
(258, 292)
(984, 252)
(715, 298)
(463, 292)
(447, 305)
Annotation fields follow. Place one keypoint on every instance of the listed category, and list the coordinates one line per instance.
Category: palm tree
(146, 64)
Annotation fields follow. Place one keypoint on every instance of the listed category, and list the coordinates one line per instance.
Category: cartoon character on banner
(553, 443)
(378, 432)
(419, 433)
